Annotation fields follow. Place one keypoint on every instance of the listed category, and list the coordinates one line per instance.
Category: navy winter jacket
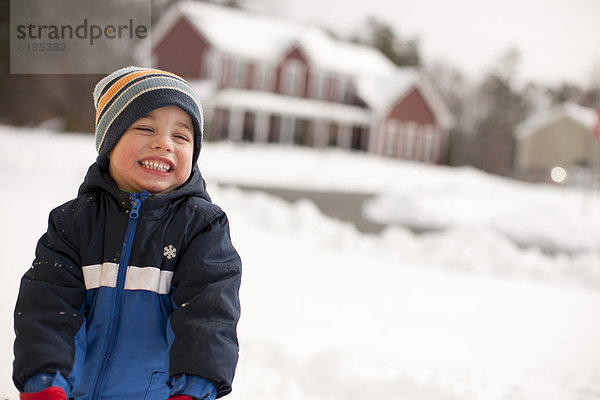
(128, 296)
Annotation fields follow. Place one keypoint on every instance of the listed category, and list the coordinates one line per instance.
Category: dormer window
(292, 79)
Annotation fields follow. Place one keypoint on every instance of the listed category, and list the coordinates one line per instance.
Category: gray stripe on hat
(133, 92)
(117, 74)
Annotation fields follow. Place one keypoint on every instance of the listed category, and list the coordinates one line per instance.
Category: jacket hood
(98, 178)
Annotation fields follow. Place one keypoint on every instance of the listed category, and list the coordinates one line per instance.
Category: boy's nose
(162, 142)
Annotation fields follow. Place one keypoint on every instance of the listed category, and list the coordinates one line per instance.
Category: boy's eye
(144, 128)
(182, 137)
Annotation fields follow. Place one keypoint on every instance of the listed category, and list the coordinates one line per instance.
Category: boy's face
(155, 153)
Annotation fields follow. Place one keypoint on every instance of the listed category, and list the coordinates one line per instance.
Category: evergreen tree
(565, 92)
(402, 52)
(503, 107)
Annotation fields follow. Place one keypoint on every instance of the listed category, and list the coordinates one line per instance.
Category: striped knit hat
(131, 93)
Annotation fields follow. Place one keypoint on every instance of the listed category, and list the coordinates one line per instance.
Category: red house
(267, 80)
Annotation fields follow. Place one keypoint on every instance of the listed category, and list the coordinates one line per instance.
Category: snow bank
(330, 313)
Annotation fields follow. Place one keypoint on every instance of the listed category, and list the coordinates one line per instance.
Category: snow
(380, 91)
(499, 299)
(264, 38)
(348, 58)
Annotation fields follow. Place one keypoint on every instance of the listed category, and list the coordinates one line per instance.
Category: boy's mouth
(156, 165)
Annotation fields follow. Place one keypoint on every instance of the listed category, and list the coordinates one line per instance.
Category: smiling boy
(155, 153)
(134, 290)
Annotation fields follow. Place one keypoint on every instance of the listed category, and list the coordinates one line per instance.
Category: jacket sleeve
(47, 315)
(206, 297)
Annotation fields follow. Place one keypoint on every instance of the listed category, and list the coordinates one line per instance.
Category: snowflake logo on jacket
(170, 252)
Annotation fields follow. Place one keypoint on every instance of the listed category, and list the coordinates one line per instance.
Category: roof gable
(583, 116)
(413, 107)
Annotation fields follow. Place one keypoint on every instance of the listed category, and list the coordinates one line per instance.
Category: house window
(249, 125)
(274, 129)
(292, 80)
(237, 73)
(302, 133)
(333, 135)
(213, 66)
(428, 143)
(410, 137)
(359, 138)
(220, 125)
(318, 85)
(340, 85)
(264, 77)
(225, 67)
(391, 138)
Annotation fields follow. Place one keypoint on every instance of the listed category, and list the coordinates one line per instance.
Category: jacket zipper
(137, 200)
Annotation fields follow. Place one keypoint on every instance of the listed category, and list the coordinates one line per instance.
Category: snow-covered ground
(472, 310)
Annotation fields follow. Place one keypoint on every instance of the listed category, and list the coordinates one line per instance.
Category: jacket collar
(99, 179)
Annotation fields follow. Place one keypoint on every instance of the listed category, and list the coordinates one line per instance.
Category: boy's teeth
(156, 165)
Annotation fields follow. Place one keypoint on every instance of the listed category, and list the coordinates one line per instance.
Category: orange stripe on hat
(105, 98)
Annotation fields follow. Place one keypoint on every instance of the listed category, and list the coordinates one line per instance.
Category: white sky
(558, 39)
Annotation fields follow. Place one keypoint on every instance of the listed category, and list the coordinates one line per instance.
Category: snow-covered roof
(260, 37)
(585, 116)
(240, 32)
(380, 90)
(330, 54)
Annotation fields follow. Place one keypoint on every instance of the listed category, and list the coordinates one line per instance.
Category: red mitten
(180, 397)
(51, 393)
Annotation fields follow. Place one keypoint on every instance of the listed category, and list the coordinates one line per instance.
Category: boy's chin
(160, 188)
(157, 190)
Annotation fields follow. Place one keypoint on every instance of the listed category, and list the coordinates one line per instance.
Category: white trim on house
(288, 105)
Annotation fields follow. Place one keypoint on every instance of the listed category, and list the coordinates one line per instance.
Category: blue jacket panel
(121, 302)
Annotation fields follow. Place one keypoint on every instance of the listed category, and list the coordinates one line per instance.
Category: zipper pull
(136, 202)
